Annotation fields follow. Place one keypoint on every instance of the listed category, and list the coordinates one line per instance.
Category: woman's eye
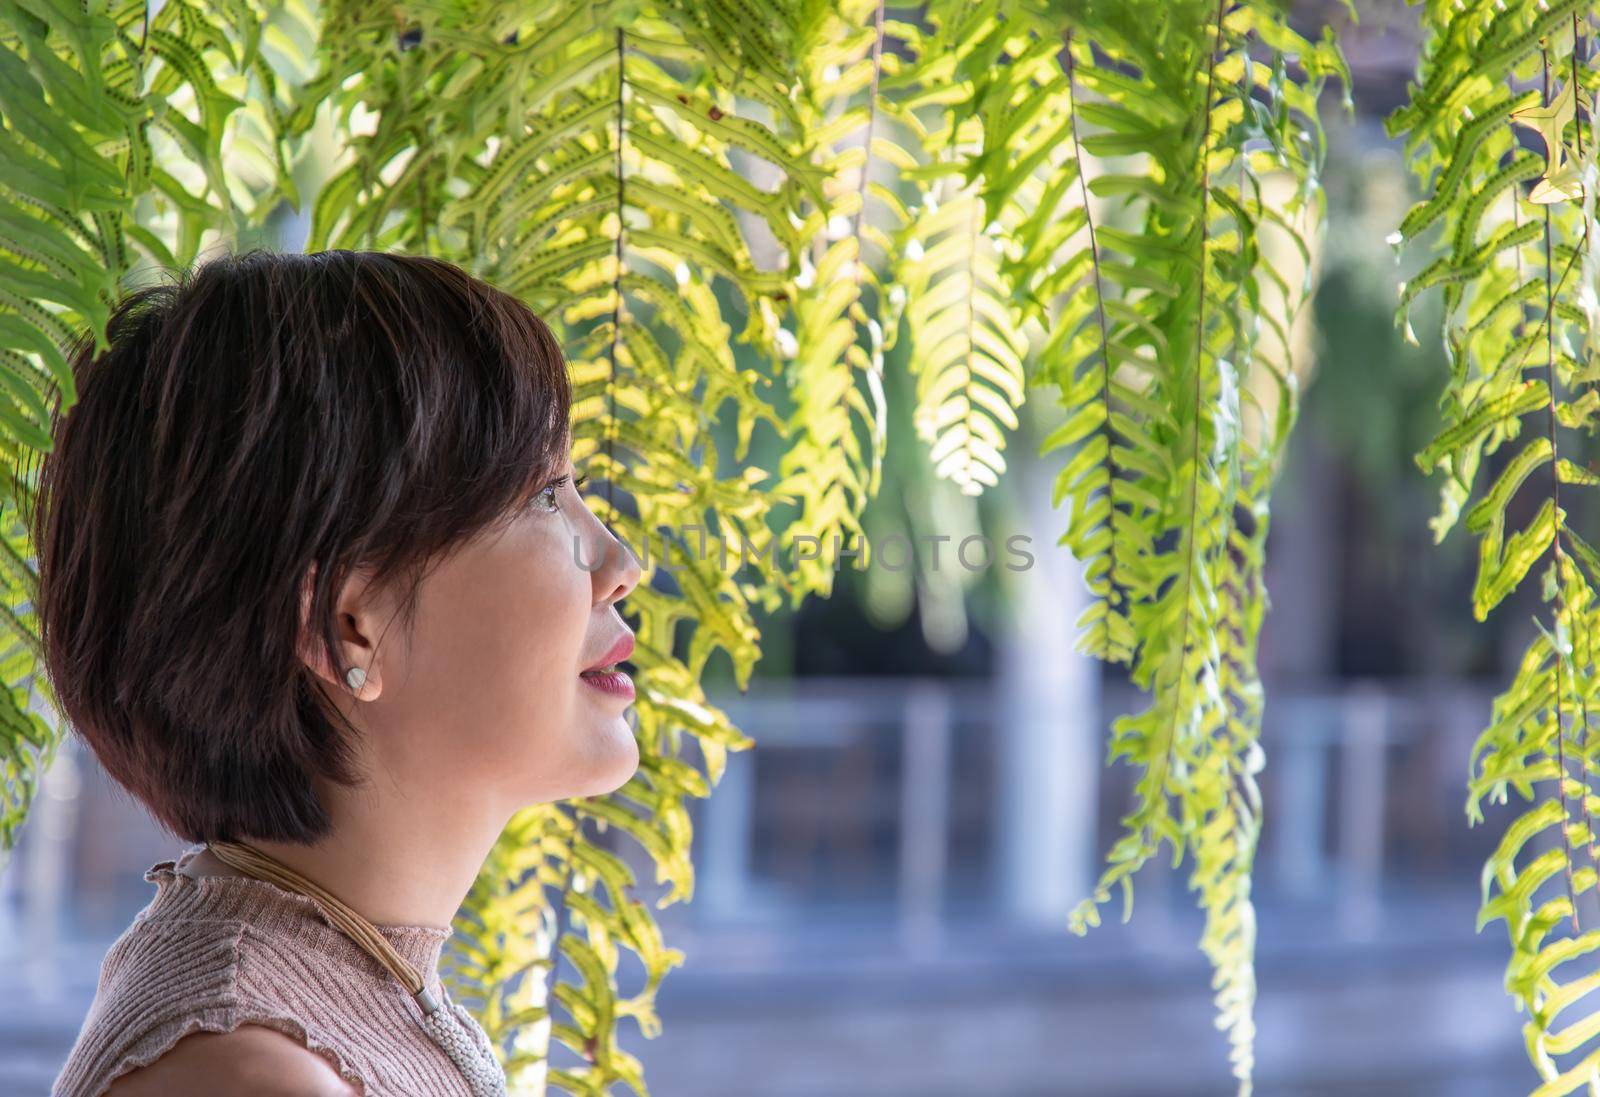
(545, 498)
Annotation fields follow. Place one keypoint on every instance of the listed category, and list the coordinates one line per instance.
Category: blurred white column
(924, 816)
(1049, 713)
(722, 864)
(1363, 769)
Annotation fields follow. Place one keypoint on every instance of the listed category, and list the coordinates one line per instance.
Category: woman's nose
(619, 571)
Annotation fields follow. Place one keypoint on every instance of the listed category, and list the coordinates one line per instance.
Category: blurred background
(884, 881)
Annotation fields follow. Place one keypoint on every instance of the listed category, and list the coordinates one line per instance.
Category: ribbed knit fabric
(210, 953)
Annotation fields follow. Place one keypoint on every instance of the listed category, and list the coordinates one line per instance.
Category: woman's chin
(616, 757)
(601, 759)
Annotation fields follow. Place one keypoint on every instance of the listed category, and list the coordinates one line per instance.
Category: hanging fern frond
(1150, 198)
(968, 339)
(968, 342)
(62, 205)
(1514, 237)
(845, 318)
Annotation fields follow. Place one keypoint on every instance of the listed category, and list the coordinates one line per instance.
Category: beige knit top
(210, 953)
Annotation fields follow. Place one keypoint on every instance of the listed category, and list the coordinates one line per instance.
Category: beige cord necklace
(453, 1029)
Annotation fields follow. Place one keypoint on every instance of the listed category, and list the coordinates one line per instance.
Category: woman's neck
(394, 864)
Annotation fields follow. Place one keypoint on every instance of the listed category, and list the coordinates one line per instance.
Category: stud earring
(356, 677)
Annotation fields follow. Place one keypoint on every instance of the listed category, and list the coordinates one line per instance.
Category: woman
(318, 588)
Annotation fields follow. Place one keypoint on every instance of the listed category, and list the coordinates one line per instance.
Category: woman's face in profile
(488, 701)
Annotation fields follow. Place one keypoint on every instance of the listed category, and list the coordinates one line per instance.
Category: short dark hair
(255, 415)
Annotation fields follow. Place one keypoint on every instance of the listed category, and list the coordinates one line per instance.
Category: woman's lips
(619, 651)
(616, 683)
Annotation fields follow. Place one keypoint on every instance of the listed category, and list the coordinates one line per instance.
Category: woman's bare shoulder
(251, 1059)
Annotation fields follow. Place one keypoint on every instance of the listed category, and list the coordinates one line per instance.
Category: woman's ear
(366, 682)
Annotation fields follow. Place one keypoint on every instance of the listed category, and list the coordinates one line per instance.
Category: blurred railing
(879, 797)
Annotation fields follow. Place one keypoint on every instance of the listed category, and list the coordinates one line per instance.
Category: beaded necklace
(453, 1029)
